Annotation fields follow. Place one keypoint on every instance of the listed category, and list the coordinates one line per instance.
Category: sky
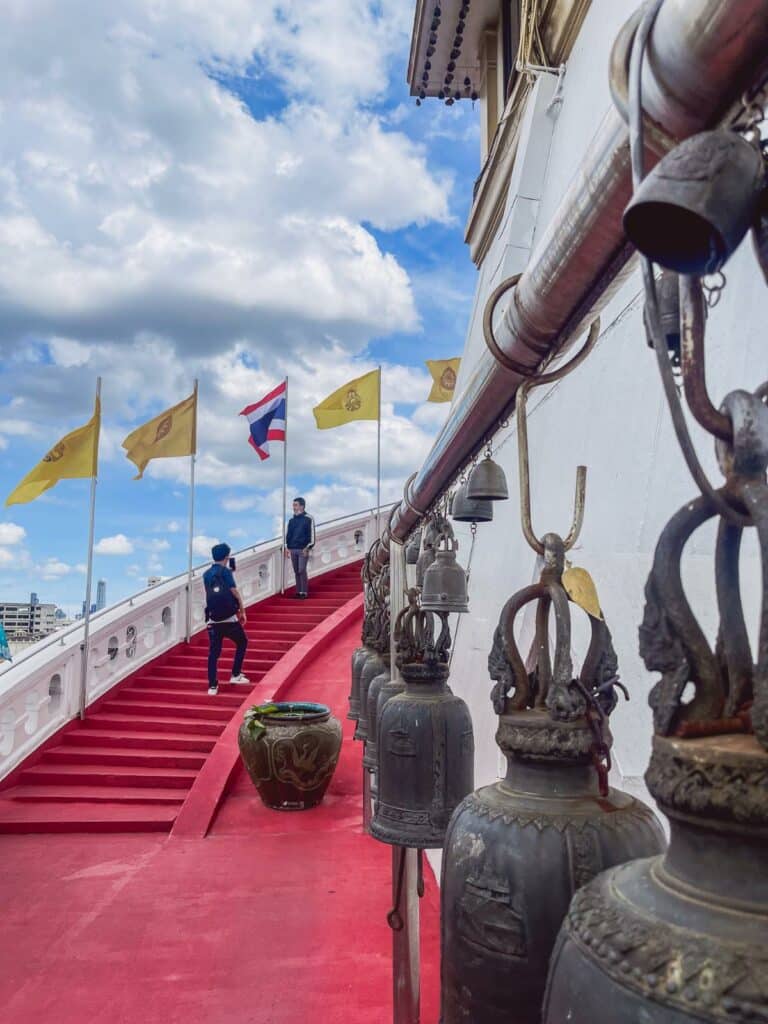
(229, 190)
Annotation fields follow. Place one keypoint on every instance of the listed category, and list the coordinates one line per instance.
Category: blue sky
(231, 191)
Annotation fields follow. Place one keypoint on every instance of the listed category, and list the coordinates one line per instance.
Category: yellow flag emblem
(359, 399)
(172, 433)
(581, 589)
(73, 457)
(444, 373)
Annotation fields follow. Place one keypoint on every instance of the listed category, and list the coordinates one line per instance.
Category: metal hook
(692, 357)
(524, 458)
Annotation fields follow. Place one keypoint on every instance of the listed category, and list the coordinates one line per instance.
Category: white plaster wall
(610, 415)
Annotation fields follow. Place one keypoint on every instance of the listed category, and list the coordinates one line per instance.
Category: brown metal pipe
(702, 54)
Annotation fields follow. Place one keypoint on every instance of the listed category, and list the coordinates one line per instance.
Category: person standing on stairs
(225, 616)
(299, 541)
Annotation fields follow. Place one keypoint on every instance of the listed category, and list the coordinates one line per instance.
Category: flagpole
(89, 572)
(192, 458)
(378, 463)
(285, 493)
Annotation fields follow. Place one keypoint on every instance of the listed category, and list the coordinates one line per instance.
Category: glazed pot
(290, 750)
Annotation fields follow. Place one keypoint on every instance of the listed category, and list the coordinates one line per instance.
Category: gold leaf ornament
(581, 589)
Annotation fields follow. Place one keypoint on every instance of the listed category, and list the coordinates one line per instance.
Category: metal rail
(77, 627)
(702, 55)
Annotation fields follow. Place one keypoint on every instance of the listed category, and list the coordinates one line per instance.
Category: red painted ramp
(130, 766)
(274, 918)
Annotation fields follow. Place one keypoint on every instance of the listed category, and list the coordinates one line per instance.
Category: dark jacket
(300, 532)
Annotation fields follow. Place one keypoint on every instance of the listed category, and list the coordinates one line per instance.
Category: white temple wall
(610, 415)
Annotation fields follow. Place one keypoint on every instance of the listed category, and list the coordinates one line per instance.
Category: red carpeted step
(128, 723)
(86, 817)
(32, 793)
(108, 775)
(211, 710)
(196, 685)
(195, 695)
(68, 754)
(98, 738)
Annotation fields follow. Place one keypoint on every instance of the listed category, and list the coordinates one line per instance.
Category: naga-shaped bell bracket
(421, 655)
(550, 685)
(730, 690)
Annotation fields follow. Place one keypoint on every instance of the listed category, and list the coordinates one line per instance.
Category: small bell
(487, 482)
(471, 510)
(668, 298)
(690, 213)
(412, 548)
(445, 583)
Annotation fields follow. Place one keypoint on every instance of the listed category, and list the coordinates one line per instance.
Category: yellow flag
(357, 400)
(172, 433)
(444, 373)
(75, 456)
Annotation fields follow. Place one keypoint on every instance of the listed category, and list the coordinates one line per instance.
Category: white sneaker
(241, 679)
(213, 691)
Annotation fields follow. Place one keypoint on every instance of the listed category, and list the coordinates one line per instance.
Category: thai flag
(267, 420)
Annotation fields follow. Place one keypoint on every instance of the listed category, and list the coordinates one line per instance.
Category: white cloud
(173, 526)
(201, 545)
(6, 557)
(117, 545)
(55, 568)
(11, 533)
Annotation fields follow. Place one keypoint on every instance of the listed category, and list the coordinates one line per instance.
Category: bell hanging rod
(701, 57)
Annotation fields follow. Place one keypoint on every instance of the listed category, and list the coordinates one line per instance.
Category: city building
(101, 595)
(21, 620)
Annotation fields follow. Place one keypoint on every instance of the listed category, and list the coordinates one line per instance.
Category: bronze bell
(412, 548)
(668, 300)
(696, 205)
(445, 582)
(425, 740)
(471, 510)
(487, 482)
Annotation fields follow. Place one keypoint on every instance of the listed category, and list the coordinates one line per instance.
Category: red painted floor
(275, 918)
(131, 764)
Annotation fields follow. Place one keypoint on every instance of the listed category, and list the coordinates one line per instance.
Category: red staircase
(129, 765)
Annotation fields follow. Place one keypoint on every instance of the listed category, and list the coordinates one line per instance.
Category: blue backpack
(221, 603)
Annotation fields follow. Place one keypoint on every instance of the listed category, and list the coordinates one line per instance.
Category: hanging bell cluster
(379, 644)
(434, 529)
(362, 653)
(517, 850)
(425, 740)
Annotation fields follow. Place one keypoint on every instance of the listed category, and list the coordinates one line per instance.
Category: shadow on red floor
(275, 918)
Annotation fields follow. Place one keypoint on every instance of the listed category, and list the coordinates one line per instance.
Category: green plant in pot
(290, 750)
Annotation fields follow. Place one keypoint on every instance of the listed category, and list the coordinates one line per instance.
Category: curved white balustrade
(40, 691)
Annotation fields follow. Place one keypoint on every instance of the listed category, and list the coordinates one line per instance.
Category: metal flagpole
(285, 492)
(89, 572)
(192, 458)
(378, 464)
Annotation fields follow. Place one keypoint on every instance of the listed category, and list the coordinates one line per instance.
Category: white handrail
(40, 691)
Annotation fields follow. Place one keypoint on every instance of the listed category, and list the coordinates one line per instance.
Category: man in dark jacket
(225, 616)
(299, 541)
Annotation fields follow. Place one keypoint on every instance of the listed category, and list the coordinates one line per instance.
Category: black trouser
(299, 561)
(232, 631)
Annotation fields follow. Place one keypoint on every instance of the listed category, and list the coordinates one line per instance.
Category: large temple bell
(470, 510)
(517, 850)
(377, 661)
(425, 741)
(445, 582)
(361, 654)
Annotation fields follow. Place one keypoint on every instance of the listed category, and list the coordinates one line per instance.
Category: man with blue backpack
(225, 615)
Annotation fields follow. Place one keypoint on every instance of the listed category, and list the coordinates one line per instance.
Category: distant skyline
(233, 193)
